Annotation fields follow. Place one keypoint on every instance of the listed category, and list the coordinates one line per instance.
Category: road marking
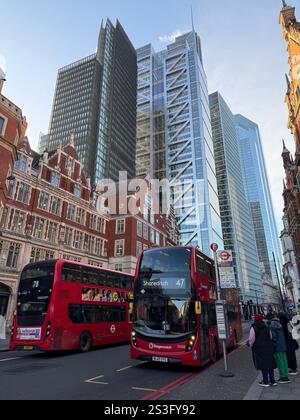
(10, 360)
(95, 381)
(125, 368)
(144, 389)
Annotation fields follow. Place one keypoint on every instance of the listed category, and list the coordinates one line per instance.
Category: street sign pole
(226, 373)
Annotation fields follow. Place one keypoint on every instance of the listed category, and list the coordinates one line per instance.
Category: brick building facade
(50, 212)
(12, 130)
(130, 235)
(291, 194)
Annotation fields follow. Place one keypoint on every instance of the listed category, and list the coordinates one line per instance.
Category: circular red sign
(214, 247)
(225, 256)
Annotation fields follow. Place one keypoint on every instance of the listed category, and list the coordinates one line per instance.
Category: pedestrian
(2, 327)
(263, 349)
(281, 349)
(292, 345)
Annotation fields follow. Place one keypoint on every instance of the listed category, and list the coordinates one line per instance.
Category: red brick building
(130, 235)
(50, 212)
(291, 194)
(12, 129)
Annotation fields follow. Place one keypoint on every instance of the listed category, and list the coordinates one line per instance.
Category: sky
(245, 55)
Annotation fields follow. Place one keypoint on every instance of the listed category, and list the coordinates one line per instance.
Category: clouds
(171, 37)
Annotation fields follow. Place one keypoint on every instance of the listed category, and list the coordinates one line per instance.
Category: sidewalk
(4, 345)
(289, 392)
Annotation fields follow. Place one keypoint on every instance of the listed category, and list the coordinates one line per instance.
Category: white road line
(95, 381)
(125, 368)
(10, 360)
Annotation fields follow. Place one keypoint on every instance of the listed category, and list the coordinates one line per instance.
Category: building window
(11, 188)
(77, 191)
(55, 178)
(146, 214)
(119, 267)
(95, 264)
(93, 221)
(157, 239)
(39, 228)
(49, 255)
(139, 248)
(23, 194)
(152, 236)
(4, 218)
(18, 222)
(101, 225)
(68, 236)
(35, 255)
(120, 228)
(139, 229)
(146, 232)
(21, 164)
(13, 255)
(44, 201)
(71, 212)
(91, 244)
(119, 248)
(80, 216)
(52, 232)
(78, 240)
(55, 206)
(2, 121)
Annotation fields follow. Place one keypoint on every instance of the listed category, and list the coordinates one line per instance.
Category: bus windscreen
(166, 272)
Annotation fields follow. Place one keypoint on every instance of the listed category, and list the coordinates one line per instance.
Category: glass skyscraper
(258, 195)
(174, 137)
(95, 99)
(238, 229)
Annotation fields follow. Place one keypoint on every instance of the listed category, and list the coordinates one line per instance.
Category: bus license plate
(160, 359)
(27, 348)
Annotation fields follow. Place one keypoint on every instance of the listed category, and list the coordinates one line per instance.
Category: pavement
(288, 392)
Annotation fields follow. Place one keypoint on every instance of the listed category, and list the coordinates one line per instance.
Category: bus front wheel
(85, 342)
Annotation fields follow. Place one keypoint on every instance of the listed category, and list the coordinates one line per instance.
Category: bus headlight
(134, 342)
(190, 344)
(48, 330)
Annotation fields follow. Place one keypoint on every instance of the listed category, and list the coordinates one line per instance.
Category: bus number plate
(160, 359)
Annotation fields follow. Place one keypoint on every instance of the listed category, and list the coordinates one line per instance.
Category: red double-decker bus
(69, 306)
(174, 308)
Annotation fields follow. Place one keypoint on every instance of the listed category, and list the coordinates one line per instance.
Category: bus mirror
(198, 308)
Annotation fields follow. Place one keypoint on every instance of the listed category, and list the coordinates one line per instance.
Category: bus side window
(71, 274)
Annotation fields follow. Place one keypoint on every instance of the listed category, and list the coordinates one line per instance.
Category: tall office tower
(259, 198)
(174, 137)
(238, 229)
(43, 143)
(95, 100)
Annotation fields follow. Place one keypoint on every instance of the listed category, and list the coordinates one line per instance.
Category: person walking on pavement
(292, 345)
(263, 348)
(281, 349)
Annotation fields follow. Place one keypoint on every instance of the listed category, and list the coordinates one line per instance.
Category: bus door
(204, 334)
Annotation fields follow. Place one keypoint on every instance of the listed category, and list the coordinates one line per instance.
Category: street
(109, 374)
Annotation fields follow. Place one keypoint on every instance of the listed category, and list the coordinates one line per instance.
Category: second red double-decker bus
(68, 306)
(174, 308)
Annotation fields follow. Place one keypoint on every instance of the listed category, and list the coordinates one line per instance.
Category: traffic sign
(214, 247)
